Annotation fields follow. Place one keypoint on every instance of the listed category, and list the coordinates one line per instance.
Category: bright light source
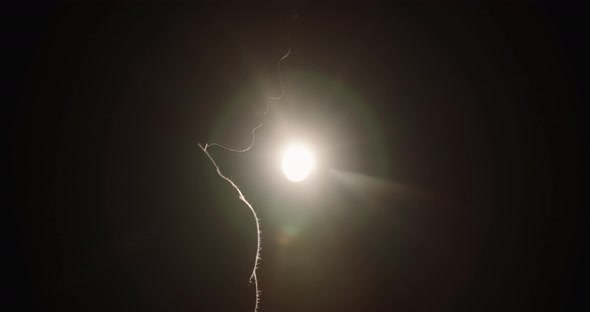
(297, 163)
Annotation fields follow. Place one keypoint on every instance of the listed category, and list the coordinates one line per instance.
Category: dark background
(474, 114)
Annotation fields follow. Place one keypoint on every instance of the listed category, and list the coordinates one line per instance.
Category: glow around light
(297, 162)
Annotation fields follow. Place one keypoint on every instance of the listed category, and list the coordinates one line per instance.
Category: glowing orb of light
(297, 163)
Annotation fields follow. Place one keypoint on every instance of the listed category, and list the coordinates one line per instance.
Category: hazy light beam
(369, 188)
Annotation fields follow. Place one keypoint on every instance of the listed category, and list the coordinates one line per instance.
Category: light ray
(369, 188)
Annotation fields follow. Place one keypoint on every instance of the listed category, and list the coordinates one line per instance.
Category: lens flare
(297, 163)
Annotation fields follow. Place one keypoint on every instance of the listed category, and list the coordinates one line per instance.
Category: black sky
(473, 113)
